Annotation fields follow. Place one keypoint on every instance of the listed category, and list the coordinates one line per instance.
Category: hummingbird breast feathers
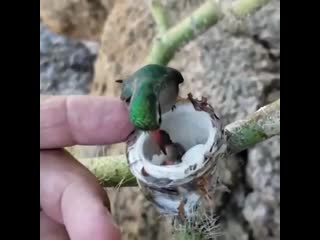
(143, 111)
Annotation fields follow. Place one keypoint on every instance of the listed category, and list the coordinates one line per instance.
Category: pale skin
(73, 205)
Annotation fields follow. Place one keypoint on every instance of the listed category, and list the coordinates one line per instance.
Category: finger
(86, 120)
(71, 195)
(51, 230)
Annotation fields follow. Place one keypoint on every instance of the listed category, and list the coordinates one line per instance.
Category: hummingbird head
(162, 138)
(126, 91)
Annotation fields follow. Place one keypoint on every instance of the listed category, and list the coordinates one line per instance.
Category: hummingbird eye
(128, 100)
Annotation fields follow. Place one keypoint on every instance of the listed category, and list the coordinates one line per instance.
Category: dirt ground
(236, 64)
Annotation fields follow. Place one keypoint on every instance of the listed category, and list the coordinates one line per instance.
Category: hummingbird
(149, 92)
(173, 150)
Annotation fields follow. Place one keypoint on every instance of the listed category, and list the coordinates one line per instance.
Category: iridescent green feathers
(147, 91)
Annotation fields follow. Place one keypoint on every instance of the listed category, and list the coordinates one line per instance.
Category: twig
(263, 124)
(111, 171)
(207, 15)
(242, 134)
(159, 15)
(245, 7)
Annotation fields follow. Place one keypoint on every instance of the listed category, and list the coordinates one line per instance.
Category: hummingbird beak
(156, 135)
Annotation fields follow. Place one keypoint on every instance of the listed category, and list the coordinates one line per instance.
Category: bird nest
(177, 188)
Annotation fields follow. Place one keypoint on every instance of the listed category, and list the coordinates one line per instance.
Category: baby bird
(173, 151)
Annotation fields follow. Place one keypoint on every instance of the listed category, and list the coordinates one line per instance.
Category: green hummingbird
(149, 92)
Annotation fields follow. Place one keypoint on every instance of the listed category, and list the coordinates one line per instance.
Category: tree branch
(113, 171)
(207, 15)
(242, 8)
(263, 124)
(159, 15)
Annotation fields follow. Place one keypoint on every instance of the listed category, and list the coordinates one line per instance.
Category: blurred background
(85, 45)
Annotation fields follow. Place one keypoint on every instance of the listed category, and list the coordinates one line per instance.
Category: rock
(268, 31)
(262, 205)
(123, 48)
(137, 217)
(81, 19)
(66, 66)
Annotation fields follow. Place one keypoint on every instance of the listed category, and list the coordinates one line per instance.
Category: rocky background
(236, 64)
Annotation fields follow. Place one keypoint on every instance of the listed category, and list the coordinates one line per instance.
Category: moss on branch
(111, 171)
(263, 124)
(241, 8)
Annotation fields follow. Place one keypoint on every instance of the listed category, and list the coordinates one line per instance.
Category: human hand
(74, 206)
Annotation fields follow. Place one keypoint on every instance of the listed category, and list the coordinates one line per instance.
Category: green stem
(207, 15)
(159, 15)
(245, 7)
(111, 171)
(240, 135)
(165, 46)
(263, 124)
